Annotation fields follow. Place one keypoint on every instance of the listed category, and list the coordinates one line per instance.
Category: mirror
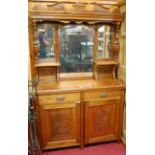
(104, 40)
(76, 48)
(45, 39)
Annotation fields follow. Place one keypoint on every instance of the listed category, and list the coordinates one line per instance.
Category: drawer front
(101, 94)
(59, 98)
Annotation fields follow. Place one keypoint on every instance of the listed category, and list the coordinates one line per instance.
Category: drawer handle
(60, 98)
(102, 95)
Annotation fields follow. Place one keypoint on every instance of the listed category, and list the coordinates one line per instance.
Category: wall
(122, 60)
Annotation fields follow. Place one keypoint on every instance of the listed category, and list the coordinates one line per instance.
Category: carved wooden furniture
(79, 112)
(76, 109)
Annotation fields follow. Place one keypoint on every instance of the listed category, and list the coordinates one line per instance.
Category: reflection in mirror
(76, 48)
(45, 38)
(104, 39)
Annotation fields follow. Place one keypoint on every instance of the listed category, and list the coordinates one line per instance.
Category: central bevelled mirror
(76, 48)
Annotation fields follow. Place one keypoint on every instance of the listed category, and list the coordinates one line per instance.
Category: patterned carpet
(98, 149)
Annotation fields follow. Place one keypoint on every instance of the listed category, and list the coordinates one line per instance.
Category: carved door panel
(60, 125)
(101, 120)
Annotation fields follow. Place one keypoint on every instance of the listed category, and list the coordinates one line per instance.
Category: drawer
(59, 98)
(101, 94)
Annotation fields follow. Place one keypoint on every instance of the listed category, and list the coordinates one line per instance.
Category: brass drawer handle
(102, 95)
(60, 98)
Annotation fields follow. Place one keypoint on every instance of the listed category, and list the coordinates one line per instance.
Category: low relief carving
(37, 6)
(102, 119)
(72, 6)
(61, 125)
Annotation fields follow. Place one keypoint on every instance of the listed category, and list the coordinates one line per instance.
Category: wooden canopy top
(62, 11)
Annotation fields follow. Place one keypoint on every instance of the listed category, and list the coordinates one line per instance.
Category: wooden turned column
(95, 49)
(31, 48)
(34, 31)
(116, 41)
(56, 47)
(36, 47)
(35, 42)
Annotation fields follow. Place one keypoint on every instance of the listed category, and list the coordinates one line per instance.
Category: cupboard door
(60, 125)
(101, 120)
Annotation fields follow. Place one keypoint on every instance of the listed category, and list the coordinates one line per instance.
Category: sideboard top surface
(78, 85)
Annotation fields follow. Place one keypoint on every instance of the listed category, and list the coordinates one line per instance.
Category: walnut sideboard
(74, 56)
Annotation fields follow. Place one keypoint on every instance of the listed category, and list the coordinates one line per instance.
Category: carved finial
(35, 30)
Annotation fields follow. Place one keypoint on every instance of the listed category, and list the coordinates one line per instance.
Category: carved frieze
(73, 7)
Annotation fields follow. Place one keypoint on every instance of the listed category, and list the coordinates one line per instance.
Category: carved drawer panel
(60, 121)
(101, 94)
(59, 98)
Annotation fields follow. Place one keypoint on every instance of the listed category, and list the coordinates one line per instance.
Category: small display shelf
(105, 69)
(106, 62)
(47, 70)
(47, 64)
